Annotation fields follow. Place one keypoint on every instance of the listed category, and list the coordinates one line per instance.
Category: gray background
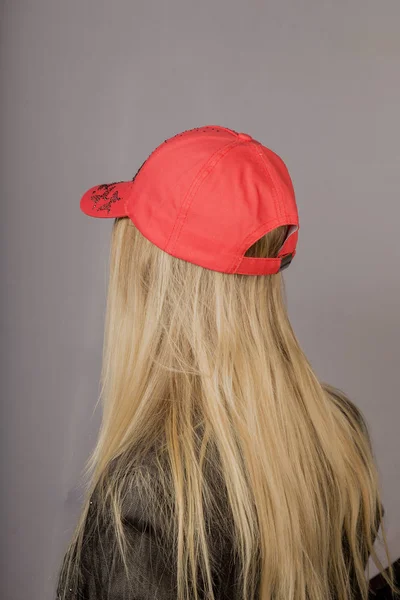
(88, 89)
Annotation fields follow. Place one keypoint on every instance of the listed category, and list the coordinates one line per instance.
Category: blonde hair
(204, 368)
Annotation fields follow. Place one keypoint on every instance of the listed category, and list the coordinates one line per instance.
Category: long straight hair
(205, 368)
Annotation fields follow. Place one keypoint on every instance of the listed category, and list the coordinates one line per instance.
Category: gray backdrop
(88, 89)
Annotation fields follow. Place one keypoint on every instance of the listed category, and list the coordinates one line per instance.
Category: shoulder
(359, 424)
(349, 409)
(126, 546)
(134, 495)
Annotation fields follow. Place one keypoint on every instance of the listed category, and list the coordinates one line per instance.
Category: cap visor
(107, 200)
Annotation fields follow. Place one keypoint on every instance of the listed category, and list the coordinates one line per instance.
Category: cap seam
(259, 153)
(170, 139)
(160, 147)
(194, 188)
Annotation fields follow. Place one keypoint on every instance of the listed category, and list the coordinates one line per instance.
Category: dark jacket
(150, 559)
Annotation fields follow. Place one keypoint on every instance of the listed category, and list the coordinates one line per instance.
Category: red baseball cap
(205, 196)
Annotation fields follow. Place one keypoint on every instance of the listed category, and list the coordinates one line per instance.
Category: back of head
(204, 367)
(254, 461)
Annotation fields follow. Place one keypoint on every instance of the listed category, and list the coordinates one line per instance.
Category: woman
(224, 469)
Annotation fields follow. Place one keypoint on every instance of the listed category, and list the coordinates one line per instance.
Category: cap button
(244, 136)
